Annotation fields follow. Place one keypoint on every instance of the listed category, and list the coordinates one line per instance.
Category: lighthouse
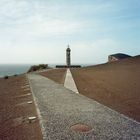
(68, 58)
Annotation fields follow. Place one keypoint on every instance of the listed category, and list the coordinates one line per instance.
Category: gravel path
(61, 108)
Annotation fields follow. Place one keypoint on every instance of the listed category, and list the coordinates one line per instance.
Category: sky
(38, 31)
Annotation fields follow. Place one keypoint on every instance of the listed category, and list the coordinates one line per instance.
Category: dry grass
(116, 85)
(14, 110)
(57, 75)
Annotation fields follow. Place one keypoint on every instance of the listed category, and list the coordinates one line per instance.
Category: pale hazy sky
(38, 31)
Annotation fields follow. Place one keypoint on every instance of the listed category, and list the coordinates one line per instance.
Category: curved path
(61, 108)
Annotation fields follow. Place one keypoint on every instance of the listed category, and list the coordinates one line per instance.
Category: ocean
(12, 69)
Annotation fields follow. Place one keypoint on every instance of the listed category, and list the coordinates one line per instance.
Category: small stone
(31, 119)
(25, 86)
(30, 102)
(27, 89)
(24, 95)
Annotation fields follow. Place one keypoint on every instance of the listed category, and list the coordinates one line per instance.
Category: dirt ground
(116, 85)
(15, 110)
(57, 75)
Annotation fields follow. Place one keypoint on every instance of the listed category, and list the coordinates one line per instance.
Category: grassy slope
(116, 85)
(14, 111)
(57, 75)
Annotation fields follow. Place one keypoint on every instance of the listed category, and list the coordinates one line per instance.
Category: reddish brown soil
(57, 75)
(116, 85)
(81, 128)
(14, 111)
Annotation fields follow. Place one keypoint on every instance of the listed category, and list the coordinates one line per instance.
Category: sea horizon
(15, 69)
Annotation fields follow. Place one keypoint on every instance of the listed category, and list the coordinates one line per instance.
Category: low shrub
(6, 77)
(38, 67)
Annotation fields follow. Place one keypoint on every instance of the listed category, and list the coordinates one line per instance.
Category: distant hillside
(117, 57)
(127, 61)
(116, 85)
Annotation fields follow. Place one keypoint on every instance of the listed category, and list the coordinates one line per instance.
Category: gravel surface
(61, 108)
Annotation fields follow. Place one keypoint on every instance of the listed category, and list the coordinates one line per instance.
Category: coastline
(12, 69)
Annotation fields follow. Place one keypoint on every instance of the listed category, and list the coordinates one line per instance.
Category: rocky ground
(116, 85)
(16, 106)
